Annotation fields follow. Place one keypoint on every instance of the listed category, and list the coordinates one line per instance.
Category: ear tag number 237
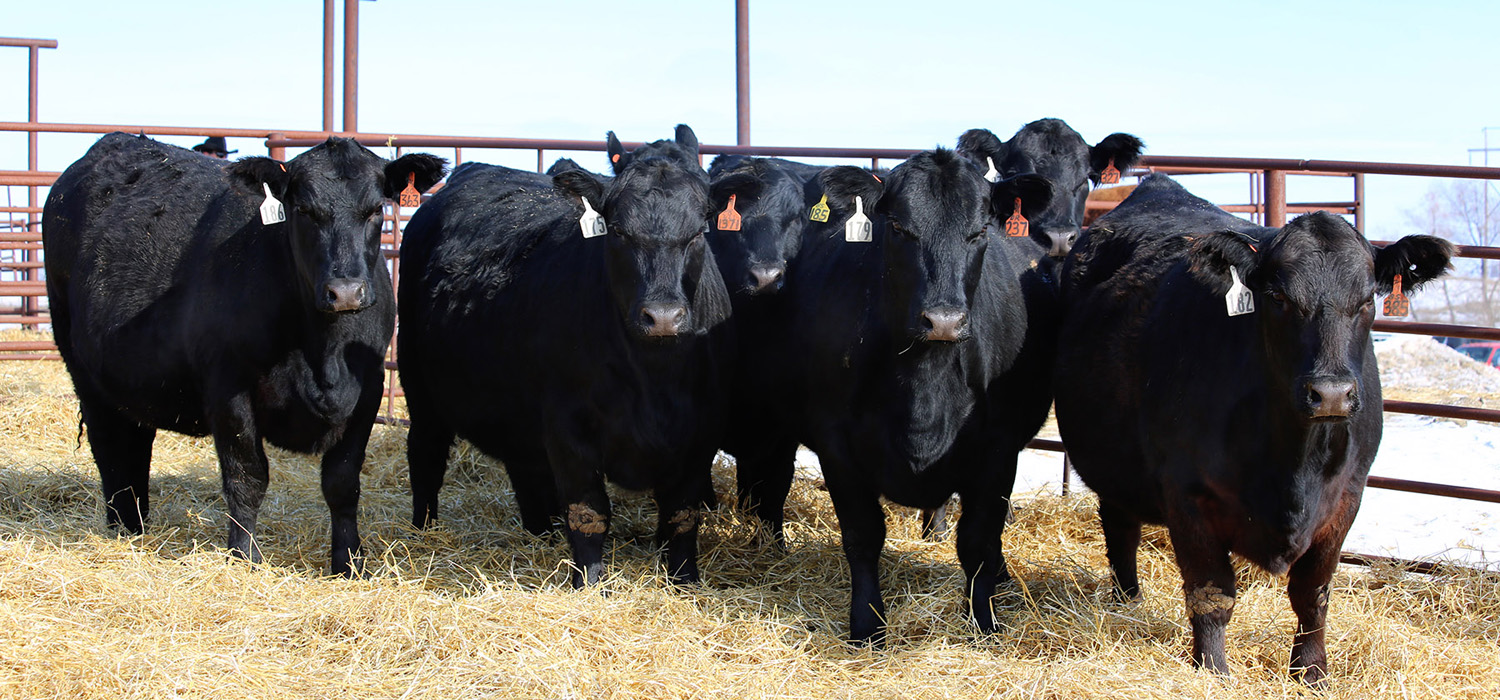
(1239, 300)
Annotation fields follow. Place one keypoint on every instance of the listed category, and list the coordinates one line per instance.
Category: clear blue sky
(1380, 81)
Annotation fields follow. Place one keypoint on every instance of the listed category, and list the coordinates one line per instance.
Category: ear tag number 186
(591, 222)
(1239, 300)
(271, 210)
(858, 228)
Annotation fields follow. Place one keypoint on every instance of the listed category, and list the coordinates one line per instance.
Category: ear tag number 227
(1239, 300)
(271, 210)
(858, 228)
(591, 222)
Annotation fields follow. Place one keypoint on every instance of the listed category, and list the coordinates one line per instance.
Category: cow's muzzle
(662, 320)
(945, 325)
(1330, 398)
(345, 294)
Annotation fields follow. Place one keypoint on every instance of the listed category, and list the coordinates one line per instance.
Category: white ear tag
(591, 222)
(1239, 300)
(858, 228)
(992, 174)
(271, 211)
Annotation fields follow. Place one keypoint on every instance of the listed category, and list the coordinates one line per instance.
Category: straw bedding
(479, 608)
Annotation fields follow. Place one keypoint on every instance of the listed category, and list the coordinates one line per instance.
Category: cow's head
(773, 214)
(930, 219)
(1052, 149)
(660, 270)
(333, 195)
(1315, 283)
(682, 150)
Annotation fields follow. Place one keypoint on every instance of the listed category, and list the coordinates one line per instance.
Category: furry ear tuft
(976, 144)
(687, 139)
(428, 169)
(844, 182)
(577, 184)
(1212, 255)
(618, 157)
(1418, 259)
(1123, 150)
(247, 174)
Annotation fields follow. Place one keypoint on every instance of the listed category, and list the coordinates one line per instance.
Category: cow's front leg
(244, 470)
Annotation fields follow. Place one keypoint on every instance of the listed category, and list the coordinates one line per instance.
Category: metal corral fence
(21, 236)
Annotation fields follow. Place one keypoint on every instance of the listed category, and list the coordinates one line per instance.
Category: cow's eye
(1277, 297)
(898, 228)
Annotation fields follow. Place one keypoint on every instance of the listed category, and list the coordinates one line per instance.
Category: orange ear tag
(1017, 225)
(410, 197)
(614, 158)
(1111, 174)
(729, 219)
(1396, 303)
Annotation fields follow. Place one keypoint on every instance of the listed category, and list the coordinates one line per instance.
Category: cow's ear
(845, 182)
(249, 173)
(1418, 259)
(423, 169)
(618, 156)
(687, 139)
(1211, 256)
(576, 184)
(975, 144)
(1034, 192)
(1123, 150)
(562, 165)
(745, 183)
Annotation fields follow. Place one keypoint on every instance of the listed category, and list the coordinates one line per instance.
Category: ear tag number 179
(1239, 300)
(858, 228)
(591, 222)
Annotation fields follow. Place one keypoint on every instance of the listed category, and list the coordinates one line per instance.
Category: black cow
(771, 200)
(570, 358)
(1052, 149)
(1250, 433)
(176, 307)
(906, 365)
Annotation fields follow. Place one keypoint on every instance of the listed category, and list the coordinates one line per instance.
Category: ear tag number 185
(591, 222)
(820, 210)
(858, 228)
(1239, 300)
(271, 210)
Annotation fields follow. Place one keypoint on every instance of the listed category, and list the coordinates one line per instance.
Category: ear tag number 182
(1239, 300)
(271, 210)
(591, 222)
(858, 228)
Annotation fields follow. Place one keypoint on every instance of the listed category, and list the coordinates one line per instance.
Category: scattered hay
(477, 607)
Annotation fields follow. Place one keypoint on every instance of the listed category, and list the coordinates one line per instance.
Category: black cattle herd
(912, 327)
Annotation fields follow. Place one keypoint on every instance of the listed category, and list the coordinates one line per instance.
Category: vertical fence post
(742, 71)
(29, 306)
(1359, 202)
(1275, 198)
(275, 149)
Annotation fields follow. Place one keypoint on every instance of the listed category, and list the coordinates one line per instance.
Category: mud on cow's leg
(1208, 587)
(677, 521)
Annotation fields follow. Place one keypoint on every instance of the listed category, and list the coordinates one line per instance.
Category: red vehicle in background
(1486, 351)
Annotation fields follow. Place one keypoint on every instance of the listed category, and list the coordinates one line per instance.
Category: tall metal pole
(328, 21)
(28, 304)
(351, 65)
(742, 70)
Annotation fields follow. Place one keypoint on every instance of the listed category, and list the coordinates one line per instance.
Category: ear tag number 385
(820, 210)
(271, 210)
(591, 222)
(1396, 303)
(1239, 300)
(858, 228)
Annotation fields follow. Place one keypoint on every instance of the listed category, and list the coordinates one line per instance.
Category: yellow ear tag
(1017, 225)
(1396, 303)
(1111, 174)
(820, 210)
(729, 219)
(410, 197)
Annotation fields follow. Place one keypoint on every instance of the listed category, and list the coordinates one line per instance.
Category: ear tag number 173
(1239, 299)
